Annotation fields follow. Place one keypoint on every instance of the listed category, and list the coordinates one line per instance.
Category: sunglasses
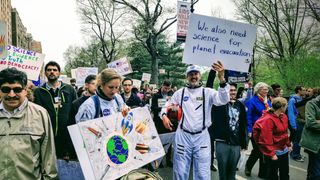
(6, 89)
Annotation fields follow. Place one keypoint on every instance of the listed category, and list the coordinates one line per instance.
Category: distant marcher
(255, 106)
(276, 88)
(131, 99)
(73, 84)
(26, 143)
(296, 124)
(90, 87)
(310, 139)
(270, 132)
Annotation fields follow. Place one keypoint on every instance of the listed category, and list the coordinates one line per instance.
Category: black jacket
(155, 109)
(220, 128)
(59, 117)
(133, 101)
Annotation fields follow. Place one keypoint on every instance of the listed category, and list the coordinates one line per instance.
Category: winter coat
(310, 138)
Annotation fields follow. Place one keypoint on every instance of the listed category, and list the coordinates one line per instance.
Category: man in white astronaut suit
(192, 140)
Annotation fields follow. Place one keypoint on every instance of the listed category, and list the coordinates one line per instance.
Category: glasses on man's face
(6, 89)
(54, 70)
(127, 85)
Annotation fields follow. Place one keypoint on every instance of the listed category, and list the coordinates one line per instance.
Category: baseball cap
(192, 68)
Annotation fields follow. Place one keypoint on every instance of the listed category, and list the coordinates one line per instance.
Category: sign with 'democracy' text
(24, 60)
(211, 39)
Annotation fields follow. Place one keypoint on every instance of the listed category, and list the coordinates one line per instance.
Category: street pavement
(298, 170)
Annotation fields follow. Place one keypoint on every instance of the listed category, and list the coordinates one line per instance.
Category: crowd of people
(34, 120)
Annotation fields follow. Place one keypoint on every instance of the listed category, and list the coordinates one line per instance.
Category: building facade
(19, 31)
(5, 16)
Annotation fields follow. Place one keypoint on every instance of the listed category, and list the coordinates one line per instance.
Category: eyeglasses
(127, 85)
(6, 89)
(55, 70)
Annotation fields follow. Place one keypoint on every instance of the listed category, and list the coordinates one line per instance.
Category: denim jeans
(313, 166)
(295, 153)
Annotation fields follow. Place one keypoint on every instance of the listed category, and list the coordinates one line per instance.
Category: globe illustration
(117, 149)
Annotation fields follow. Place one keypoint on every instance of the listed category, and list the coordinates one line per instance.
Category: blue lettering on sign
(186, 98)
(106, 112)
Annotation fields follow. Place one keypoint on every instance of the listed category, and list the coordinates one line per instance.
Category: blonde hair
(106, 76)
(258, 86)
(279, 102)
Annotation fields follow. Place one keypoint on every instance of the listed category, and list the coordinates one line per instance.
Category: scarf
(264, 101)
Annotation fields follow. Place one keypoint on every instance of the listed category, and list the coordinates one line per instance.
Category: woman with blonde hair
(255, 106)
(107, 101)
(270, 132)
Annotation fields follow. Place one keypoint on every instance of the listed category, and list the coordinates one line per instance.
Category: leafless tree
(104, 20)
(152, 19)
(314, 6)
(284, 29)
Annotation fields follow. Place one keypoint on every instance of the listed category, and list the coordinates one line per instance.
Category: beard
(52, 78)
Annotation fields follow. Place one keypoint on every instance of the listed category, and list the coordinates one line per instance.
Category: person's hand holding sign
(218, 67)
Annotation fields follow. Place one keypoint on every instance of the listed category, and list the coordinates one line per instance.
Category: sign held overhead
(211, 39)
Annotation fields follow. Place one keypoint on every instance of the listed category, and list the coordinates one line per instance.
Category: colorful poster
(211, 39)
(83, 72)
(146, 77)
(183, 12)
(122, 66)
(24, 60)
(3, 40)
(110, 147)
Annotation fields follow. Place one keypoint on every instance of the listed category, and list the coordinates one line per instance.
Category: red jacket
(271, 133)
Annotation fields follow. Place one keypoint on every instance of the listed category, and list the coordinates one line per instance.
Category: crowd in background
(277, 127)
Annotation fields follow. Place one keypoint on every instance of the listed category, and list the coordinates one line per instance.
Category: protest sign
(183, 12)
(162, 71)
(122, 66)
(3, 40)
(111, 146)
(146, 77)
(236, 77)
(83, 72)
(24, 60)
(136, 83)
(73, 73)
(211, 39)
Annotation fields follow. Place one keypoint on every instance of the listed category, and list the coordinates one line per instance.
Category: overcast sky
(56, 24)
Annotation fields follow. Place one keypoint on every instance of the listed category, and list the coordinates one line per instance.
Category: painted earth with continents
(117, 149)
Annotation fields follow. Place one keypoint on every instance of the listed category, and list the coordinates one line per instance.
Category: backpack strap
(97, 106)
(118, 104)
(181, 108)
(203, 110)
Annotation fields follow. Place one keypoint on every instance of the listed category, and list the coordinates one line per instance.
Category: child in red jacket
(271, 134)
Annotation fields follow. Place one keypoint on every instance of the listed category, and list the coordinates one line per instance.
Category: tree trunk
(154, 69)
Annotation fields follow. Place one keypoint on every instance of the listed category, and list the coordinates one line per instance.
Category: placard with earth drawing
(110, 147)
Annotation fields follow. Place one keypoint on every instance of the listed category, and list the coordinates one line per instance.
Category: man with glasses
(131, 99)
(57, 97)
(26, 143)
